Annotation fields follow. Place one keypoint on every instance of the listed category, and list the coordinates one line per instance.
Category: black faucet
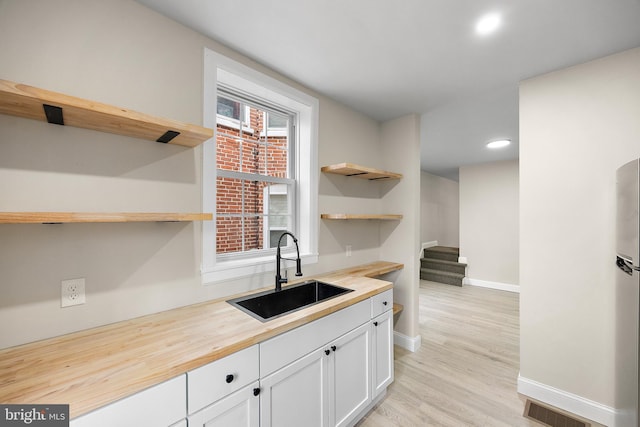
(280, 280)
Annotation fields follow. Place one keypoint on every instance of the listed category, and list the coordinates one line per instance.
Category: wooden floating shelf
(363, 172)
(95, 217)
(397, 308)
(387, 217)
(40, 104)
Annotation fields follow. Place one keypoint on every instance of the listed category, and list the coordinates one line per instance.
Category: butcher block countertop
(94, 367)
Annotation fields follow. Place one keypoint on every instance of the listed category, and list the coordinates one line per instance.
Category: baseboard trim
(569, 402)
(406, 342)
(492, 285)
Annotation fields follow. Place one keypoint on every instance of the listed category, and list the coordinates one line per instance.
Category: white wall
(339, 127)
(400, 240)
(121, 53)
(489, 221)
(439, 210)
(577, 126)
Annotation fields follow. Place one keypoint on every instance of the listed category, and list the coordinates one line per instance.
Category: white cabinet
(158, 406)
(328, 387)
(349, 376)
(297, 394)
(239, 409)
(381, 303)
(225, 392)
(330, 384)
(218, 379)
(382, 352)
(288, 347)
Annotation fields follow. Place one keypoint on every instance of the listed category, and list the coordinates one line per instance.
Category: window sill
(239, 268)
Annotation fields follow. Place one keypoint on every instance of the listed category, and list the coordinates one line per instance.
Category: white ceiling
(390, 58)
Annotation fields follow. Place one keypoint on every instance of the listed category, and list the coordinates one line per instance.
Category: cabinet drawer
(381, 303)
(212, 382)
(160, 405)
(284, 349)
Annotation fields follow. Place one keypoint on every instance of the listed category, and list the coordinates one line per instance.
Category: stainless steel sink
(271, 304)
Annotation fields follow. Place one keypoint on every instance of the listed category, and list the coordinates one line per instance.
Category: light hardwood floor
(465, 372)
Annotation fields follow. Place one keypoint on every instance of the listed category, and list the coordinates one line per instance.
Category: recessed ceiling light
(499, 143)
(488, 23)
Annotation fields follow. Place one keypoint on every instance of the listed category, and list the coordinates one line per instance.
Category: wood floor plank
(465, 372)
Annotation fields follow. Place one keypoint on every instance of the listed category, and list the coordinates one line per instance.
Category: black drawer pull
(327, 352)
(375, 323)
(384, 303)
(333, 347)
(256, 391)
(229, 378)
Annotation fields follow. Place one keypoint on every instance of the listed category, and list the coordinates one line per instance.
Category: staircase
(440, 264)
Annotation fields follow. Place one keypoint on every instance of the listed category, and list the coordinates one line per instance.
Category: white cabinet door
(296, 395)
(334, 384)
(382, 352)
(240, 409)
(349, 375)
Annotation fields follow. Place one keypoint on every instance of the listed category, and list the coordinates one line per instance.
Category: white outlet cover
(72, 292)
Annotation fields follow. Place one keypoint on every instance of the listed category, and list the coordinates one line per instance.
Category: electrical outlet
(348, 250)
(72, 292)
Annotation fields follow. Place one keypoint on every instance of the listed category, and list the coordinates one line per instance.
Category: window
(233, 114)
(255, 175)
(259, 171)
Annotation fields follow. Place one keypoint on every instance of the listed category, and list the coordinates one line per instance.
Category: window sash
(252, 230)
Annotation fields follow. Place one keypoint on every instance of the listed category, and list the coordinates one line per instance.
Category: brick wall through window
(245, 144)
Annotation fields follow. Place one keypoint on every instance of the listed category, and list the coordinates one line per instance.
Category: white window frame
(277, 189)
(274, 131)
(234, 123)
(219, 69)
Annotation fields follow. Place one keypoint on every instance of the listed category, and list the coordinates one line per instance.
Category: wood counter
(91, 368)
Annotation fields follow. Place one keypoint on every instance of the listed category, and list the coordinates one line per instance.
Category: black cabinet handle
(229, 378)
(333, 347)
(256, 391)
(327, 352)
(375, 323)
(384, 303)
